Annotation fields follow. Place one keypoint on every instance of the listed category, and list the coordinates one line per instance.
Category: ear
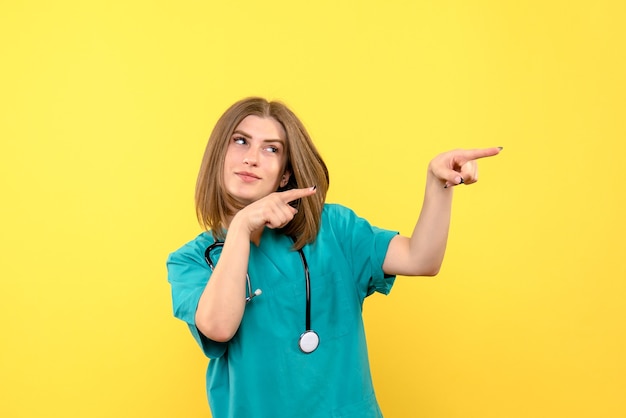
(285, 178)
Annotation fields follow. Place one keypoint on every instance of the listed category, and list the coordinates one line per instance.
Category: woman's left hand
(459, 166)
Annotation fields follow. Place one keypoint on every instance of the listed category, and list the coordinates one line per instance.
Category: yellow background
(105, 110)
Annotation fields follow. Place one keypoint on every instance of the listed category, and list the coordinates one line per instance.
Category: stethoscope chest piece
(309, 341)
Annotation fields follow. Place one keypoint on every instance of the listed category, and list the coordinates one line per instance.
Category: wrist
(432, 181)
(238, 225)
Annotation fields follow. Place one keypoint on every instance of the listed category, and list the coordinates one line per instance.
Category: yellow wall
(105, 109)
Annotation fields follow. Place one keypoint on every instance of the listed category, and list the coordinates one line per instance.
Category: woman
(295, 346)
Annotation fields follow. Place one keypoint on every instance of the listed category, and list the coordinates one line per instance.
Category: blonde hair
(214, 206)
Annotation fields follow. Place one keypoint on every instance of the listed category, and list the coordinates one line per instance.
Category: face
(255, 159)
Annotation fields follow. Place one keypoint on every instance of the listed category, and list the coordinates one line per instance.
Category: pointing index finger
(475, 154)
(295, 194)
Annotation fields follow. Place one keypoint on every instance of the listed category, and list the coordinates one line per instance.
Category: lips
(247, 177)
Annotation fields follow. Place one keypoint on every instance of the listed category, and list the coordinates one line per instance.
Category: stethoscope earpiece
(255, 294)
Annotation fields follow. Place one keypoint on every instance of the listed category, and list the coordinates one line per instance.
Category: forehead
(262, 128)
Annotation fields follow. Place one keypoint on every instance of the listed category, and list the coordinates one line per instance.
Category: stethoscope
(309, 340)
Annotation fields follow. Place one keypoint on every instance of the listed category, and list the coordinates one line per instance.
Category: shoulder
(345, 222)
(192, 250)
(335, 211)
(339, 219)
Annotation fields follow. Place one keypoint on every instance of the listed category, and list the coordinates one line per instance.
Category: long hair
(214, 206)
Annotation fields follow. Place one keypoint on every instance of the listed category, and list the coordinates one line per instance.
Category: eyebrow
(242, 133)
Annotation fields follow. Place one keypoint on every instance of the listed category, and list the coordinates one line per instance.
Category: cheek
(233, 156)
(276, 172)
(230, 153)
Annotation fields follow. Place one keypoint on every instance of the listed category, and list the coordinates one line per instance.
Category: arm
(422, 253)
(222, 303)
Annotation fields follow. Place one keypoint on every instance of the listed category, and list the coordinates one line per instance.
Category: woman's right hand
(273, 210)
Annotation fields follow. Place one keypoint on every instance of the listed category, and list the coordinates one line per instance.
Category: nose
(250, 158)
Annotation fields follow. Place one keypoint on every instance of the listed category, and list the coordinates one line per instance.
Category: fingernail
(314, 187)
(459, 180)
(500, 148)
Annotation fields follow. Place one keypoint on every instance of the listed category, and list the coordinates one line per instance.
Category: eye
(272, 149)
(239, 140)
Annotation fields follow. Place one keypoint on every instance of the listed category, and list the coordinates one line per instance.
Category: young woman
(279, 316)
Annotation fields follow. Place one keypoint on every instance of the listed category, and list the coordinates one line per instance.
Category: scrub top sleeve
(380, 282)
(188, 275)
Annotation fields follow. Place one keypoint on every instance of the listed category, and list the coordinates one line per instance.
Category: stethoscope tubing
(309, 340)
(307, 284)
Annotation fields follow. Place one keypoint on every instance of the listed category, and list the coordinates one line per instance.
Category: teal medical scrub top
(261, 371)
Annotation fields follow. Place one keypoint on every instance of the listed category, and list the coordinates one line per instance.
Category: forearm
(428, 241)
(422, 253)
(221, 305)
